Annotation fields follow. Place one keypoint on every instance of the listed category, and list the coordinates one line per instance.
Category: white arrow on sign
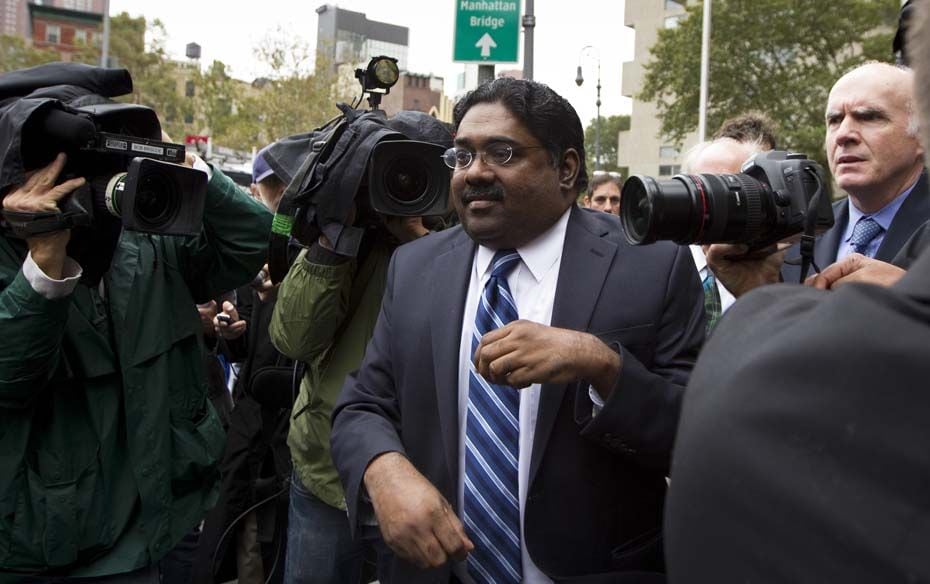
(486, 43)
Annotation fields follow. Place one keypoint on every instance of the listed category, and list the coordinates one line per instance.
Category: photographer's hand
(856, 268)
(741, 271)
(40, 194)
(233, 329)
(405, 229)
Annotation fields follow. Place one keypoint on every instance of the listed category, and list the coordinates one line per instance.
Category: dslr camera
(130, 174)
(776, 196)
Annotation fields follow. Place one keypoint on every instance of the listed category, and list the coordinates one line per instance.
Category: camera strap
(24, 225)
(810, 226)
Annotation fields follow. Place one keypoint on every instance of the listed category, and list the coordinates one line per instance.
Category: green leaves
(780, 57)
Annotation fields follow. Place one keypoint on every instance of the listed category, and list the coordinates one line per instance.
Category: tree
(298, 94)
(16, 53)
(610, 129)
(218, 98)
(155, 77)
(780, 57)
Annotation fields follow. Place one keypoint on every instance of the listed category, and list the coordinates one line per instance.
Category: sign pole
(529, 23)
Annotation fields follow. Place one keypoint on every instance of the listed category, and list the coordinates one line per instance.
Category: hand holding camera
(40, 194)
(263, 285)
(227, 325)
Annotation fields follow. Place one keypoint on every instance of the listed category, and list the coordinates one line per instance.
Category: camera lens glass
(406, 180)
(158, 200)
(691, 209)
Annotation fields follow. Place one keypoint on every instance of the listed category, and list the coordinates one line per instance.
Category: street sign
(486, 31)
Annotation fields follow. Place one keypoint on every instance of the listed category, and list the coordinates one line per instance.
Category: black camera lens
(695, 209)
(157, 200)
(406, 180)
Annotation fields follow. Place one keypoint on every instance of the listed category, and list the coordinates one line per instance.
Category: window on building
(80, 36)
(53, 33)
(668, 152)
(189, 88)
(188, 118)
(669, 169)
(672, 21)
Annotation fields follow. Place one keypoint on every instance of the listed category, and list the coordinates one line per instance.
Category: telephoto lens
(771, 200)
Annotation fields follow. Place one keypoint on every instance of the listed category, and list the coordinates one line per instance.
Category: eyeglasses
(495, 154)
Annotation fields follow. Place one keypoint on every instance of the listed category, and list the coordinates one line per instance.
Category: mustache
(489, 193)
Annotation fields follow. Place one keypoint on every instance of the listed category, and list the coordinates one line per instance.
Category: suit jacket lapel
(913, 212)
(451, 270)
(586, 260)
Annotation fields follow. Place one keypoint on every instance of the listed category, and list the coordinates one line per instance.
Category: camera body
(777, 195)
(130, 174)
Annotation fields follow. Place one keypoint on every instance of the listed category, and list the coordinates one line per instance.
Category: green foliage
(780, 57)
(610, 129)
(15, 54)
(297, 95)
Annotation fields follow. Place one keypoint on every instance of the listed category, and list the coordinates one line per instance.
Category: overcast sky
(229, 30)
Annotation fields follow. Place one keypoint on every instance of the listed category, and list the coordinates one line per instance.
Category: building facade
(422, 93)
(14, 14)
(642, 148)
(63, 30)
(349, 39)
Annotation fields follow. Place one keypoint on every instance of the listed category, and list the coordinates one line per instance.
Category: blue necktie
(864, 232)
(492, 447)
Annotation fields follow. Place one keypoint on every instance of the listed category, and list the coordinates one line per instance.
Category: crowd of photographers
(326, 380)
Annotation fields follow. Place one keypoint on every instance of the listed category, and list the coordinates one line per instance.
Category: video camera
(364, 160)
(777, 195)
(130, 175)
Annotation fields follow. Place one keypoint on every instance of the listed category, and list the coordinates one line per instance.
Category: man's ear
(568, 169)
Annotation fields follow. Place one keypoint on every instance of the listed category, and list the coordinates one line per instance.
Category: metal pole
(597, 125)
(485, 73)
(529, 23)
(105, 45)
(705, 72)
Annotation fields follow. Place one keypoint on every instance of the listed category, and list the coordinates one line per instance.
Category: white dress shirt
(700, 262)
(532, 283)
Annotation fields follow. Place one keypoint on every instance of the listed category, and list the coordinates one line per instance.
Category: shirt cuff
(47, 287)
(202, 166)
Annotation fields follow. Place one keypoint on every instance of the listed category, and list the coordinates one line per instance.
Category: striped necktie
(492, 447)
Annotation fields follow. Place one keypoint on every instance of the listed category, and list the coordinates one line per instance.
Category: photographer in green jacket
(108, 444)
(325, 314)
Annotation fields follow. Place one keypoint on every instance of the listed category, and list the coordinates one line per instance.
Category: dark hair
(750, 127)
(602, 179)
(547, 115)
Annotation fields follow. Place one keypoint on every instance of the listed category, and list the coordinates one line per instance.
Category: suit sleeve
(640, 417)
(366, 419)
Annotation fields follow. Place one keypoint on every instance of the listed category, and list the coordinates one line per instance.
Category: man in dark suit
(562, 479)
(875, 156)
(805, 459)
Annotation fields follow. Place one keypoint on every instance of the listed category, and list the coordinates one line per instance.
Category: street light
(587, 50)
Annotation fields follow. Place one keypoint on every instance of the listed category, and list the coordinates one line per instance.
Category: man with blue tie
(513, 417)
(876, 157)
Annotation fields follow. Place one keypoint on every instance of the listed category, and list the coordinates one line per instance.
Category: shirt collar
(883, 216)
(538, 255)
(700, 260)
